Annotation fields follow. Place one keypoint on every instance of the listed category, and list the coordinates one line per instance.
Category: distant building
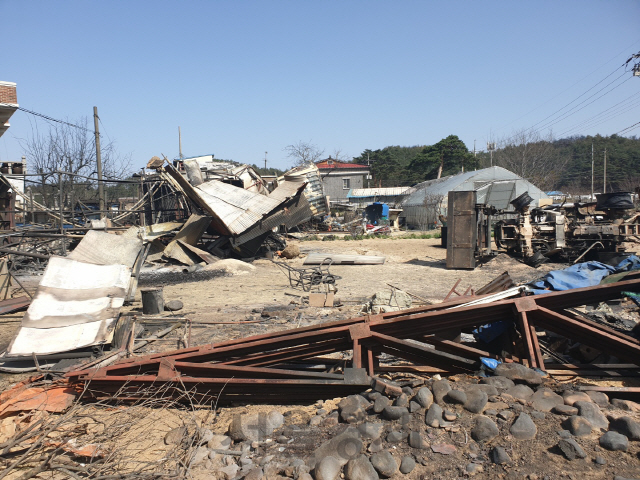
(392, 196)
(339, 177)
(8, 104)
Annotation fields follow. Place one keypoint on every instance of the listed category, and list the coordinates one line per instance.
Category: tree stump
(152, 301)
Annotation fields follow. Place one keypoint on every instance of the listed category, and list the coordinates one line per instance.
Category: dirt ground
(416, 266)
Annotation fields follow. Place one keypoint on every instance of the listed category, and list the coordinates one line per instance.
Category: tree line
(550, 164)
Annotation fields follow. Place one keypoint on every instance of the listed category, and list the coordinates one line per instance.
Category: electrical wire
(46, 117)
(607, 114)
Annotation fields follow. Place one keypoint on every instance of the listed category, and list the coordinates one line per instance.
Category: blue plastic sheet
(581, 275)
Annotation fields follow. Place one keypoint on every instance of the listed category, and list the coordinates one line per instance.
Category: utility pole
(180, 143)
(592, 164)
(265, 163)
(491, 147)
(99, 162)
(604, 189)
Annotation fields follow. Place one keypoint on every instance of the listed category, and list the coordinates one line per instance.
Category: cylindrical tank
(4, 168)
(521, 201)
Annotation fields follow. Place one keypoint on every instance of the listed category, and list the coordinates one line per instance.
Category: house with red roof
(339, 177)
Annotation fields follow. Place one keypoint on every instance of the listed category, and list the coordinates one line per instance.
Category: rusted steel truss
(300, 364)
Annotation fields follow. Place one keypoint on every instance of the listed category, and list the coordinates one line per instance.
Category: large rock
(424, 397)
(328, 468)
(360, 468)
(407, 464)
(352, 409)
(614, 441)
(416, 441)
(521, 392)
(500, 383)
(523, 428)
(476, 400)
(440, 389)
(254, 427)
(394, 413)
(518, 373)
(544, 400)
(599, 398)
(484, 429)
(384, 463)
(456, 397)
(291, 251)
(219, 442)
(433, 417)
(578, 426)
(371, 431)
(500, 456)
(592, 412)
(627, 426)
(380, 403)
(571, 449)
(570, 397)
(343, 447)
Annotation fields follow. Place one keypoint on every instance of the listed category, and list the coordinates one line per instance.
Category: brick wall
(8, 94)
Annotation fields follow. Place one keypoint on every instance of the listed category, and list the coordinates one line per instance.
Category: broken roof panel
(234, 210)
(74, 306)
(106, 249)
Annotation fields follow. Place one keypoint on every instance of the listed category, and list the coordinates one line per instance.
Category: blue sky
(244, 77)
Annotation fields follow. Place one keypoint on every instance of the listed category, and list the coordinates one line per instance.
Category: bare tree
(72, 150)
(532, 156)
(304, 152)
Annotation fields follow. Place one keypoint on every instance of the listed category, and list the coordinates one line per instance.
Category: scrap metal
(284, 365)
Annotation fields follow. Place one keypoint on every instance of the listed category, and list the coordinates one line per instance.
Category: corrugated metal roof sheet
(234, 210)
(379, 192)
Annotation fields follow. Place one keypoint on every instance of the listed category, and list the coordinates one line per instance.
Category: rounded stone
(578, 426)
(384, 463)
(592, 412)
(501, 383)
(433, 417)
(523, 428)
(394, 413)
(476, 401)
(571, 449)
(614, 441)
(626, 426)
(424, 397)
(500, 456)
(440, 389)
(484, 429)
(457, 397)
(360, 468)
(407, 465)
(564, 410)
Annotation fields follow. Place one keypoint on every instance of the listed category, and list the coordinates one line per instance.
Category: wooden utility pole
(604, 189)
(265, 163)
(592, 164)
(180, 143)
(99, 162)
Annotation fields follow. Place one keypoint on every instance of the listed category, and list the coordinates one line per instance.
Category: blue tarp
(581, 275)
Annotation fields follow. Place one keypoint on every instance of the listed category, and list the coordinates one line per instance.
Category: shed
(390, 195)
(496, 186)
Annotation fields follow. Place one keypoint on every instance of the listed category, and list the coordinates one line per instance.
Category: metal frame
(275, 366)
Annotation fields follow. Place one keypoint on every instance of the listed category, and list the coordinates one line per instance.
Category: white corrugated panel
(74, 306)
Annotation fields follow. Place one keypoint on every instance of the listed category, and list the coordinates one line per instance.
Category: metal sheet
(103, 248)
(234, 210)
(189, 234)
(60, 339)
(318, 258)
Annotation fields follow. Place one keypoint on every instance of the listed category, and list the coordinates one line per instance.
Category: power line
(46, 117)
(632, 127)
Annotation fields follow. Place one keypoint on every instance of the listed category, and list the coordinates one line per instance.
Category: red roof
(325, 165)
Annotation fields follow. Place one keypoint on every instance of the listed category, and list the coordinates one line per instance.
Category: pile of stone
(470, 428)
